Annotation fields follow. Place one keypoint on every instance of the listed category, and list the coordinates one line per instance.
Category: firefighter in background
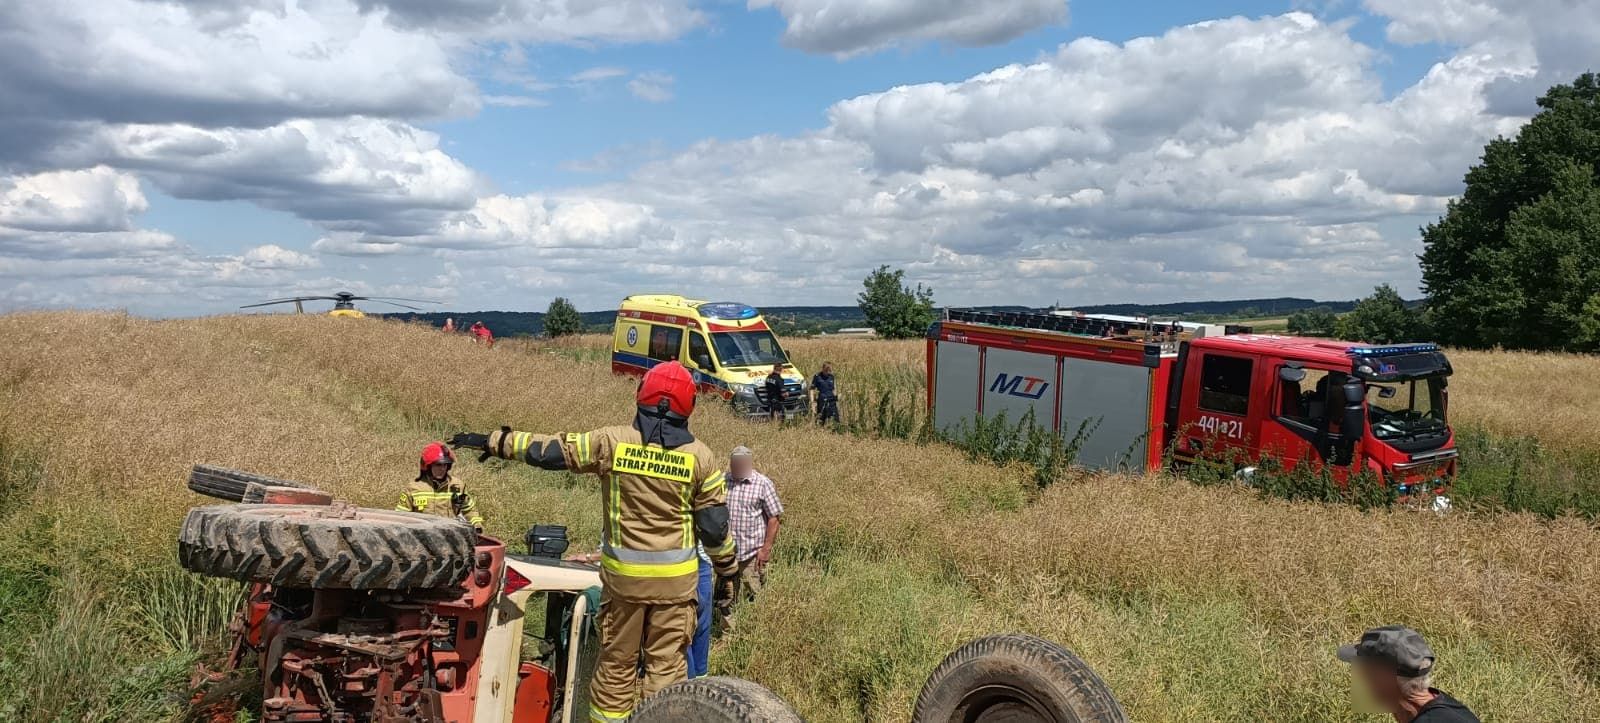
(481, 333)
(435, 492)
(663, 492)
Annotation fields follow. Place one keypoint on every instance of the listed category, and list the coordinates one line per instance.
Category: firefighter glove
(470, 440)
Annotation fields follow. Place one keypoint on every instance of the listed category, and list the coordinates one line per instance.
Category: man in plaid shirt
(753, 514)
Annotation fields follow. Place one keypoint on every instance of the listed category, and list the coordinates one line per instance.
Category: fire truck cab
(1136, 392)
(1340, 404)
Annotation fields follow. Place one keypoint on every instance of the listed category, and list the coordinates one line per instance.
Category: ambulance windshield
(748, 348)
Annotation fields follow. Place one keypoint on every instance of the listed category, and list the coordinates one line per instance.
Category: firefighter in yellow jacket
(662, 491)
(435, 492)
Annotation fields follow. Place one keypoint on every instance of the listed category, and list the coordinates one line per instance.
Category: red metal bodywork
(1176, 422)
(341, 655)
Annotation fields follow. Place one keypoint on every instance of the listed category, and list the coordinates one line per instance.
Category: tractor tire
(1018, 678)
(326, 547)
(230, 484)
(715, 700)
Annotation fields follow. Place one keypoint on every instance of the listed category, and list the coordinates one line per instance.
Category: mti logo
(1019, 386)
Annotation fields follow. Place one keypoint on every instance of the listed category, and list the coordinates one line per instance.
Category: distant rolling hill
(818, 319)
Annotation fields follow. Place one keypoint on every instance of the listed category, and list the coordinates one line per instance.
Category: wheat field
(1194, 603)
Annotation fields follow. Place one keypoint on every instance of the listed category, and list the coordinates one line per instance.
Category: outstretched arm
(574, 451)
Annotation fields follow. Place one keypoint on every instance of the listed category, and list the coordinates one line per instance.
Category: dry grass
(1551, 397)
(1195, 603)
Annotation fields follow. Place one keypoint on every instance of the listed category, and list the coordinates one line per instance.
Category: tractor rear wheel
(326, 547)
(1015, 678)
(231, 484)
(715, 700)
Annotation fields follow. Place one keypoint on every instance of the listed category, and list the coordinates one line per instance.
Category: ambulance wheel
(231, 484)
(715, 700)
(322, 546)
(1015, 678)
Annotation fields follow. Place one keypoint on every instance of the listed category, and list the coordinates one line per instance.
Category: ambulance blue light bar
(728, 310)
(1390, 350)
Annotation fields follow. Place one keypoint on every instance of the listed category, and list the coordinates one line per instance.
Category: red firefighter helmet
(435, 453)
(669, 381)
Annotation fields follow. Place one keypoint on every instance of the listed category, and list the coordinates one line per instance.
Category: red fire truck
(1138, 390)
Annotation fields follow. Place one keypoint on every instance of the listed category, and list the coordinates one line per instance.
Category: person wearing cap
(662, 496)
(1393, 669)
(753, 511)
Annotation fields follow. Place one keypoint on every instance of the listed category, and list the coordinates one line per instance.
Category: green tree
(895, 310)
(1515, 261)
(1381, 318)
(1320, 321)
(562, 319)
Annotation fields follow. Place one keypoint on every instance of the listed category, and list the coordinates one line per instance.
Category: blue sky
(494, 162)
(724, 88)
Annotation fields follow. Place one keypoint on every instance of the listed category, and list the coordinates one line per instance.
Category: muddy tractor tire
(231, 485)
(715, 700)
(326, 547)
(1015, 678)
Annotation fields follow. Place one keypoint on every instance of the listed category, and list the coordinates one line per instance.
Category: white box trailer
(1063, 371)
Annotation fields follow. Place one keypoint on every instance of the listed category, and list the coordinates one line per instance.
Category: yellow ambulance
(727, 346)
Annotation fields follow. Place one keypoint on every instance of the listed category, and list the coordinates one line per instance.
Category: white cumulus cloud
(847, 27)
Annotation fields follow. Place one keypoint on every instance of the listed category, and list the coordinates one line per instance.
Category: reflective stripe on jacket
(649, 496)
(452, 501)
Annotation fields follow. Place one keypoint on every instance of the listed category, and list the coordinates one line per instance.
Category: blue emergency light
(1390, 350)
(728, 310)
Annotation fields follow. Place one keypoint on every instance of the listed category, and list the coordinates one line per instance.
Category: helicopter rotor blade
(290, 300)
(391, 303)
(278, 301)
(395, 298)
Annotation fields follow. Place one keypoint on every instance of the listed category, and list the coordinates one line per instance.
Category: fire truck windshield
(1406, 409)
(748, 348)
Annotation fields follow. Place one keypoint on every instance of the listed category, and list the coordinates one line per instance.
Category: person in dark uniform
(827, 394)
(775, 395)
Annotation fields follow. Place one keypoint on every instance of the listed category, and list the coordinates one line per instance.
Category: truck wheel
(322, 546)
(230, 484)
(1018, 678)
(715, 700)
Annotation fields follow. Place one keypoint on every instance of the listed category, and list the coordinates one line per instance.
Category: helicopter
(344, 303)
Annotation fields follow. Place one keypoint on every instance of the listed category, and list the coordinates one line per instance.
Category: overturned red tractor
(353, 614)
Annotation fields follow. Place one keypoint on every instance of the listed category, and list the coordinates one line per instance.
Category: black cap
(1396, 645)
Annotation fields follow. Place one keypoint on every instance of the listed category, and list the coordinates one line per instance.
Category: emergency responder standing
(662, 492)
(435, 492)
(827, 394)
(773, 385)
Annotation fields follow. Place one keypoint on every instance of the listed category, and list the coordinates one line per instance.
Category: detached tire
(231, 484)
(318, 546)
(1015, 678)
(715, 700)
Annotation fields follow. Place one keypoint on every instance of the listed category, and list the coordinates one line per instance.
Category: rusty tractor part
(231, 484)
(326, 546)
(1015, 677)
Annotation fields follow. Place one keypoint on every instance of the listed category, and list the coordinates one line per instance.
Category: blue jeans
(700, 645)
